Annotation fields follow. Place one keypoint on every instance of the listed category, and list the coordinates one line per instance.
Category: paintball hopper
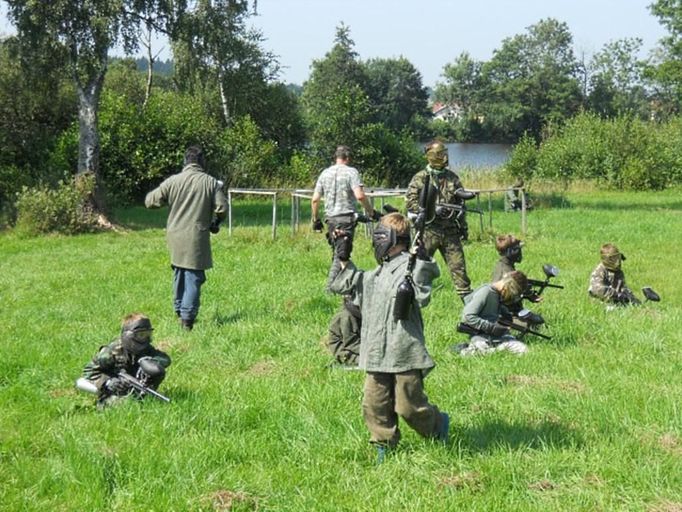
(651, 295)
(464, 195)
(390, 209)
(532, 318)
(151, 367)
(550, 270)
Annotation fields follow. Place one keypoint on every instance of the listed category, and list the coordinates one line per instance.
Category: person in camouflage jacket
(125, 354)
(446, 232)
(607, 281)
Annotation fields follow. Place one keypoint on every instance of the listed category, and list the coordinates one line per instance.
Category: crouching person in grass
(132, 353)
(482, 310)
(393, 352)
(607, 281)
(344, 334)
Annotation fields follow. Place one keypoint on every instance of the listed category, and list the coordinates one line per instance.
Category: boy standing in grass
(126, 354)
(393, 352)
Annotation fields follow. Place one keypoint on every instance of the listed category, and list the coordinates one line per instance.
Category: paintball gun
(537, 286)
(425, 214)
(651, 295)
(141, 388)
(523, 315)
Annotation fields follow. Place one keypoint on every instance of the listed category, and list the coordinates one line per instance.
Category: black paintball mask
(384, 239)
(514, 253)
(136, 335)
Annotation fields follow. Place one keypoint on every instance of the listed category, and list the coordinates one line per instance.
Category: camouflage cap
(437, 155)
(611, 257)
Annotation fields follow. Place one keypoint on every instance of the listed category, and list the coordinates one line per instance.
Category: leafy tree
(530, 82)
(396, 93)
(616, 81)
(216, 49)
(334, 99)
(666, 69)
(81, 34)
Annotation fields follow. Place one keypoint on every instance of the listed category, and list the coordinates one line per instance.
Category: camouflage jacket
(390, 346)
(605, 284)
(112, 358)
(482, 308)
(448, 182)
(193, 198)
(337, 184)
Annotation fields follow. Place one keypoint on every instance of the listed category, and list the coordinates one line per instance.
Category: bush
(619, 153)
(64, 209)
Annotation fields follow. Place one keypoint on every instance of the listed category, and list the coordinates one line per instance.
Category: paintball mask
(136, 334)
(384, 239)
(513, 252)
(437, 155)
(611, 257)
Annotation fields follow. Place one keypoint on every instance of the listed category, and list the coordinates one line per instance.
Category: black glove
(376, 215)
(117, 386)
(215, 226)
(534, 319)
(498, 330)
(317, 225)
(442, 212)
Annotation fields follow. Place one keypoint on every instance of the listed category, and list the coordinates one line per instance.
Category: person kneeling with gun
(128, 366)
(483, 311)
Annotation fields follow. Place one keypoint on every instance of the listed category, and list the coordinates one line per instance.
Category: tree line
(68, 109)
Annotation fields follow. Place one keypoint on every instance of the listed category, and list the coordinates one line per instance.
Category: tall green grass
(588, 421)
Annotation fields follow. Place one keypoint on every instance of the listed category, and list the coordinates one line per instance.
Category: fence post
(229, 213)
(274, 215)
(524, 226)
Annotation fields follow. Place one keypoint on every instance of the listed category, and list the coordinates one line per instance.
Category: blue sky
(431, 33)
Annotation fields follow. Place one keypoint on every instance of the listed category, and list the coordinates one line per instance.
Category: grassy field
(589, 421)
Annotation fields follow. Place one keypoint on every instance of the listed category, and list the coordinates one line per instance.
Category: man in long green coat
(196, 206)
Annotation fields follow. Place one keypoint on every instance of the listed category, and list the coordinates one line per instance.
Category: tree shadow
(499, 435)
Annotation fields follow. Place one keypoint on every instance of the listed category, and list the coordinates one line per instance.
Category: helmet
(611, 257)
(136, 333)
(437, 155)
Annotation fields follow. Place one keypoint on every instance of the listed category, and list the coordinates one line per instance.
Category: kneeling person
(393, 352)
(133, 354)
(482, 310)
(344, 333)
(607, 281)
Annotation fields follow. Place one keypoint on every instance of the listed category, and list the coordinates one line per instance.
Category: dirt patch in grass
(665, 506)
(469, 480)
(542, 485)
(224, 500)
(529, 380)
(262, 368)
(670, 443)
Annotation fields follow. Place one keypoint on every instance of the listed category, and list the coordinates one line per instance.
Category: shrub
(64, 209)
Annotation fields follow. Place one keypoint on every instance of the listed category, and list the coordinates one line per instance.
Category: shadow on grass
(225, 319)
(497, 436)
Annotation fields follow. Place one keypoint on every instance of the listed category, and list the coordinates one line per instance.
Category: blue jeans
(186, 291)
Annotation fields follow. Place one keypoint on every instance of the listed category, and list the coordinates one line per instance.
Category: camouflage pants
(482, 345)
(448, 243)
(389, 395)
(344, 337)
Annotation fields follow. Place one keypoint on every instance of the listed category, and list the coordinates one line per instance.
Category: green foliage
(249, 159)
(63, 209)
(622, 153)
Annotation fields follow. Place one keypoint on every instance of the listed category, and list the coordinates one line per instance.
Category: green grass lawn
(591, 420)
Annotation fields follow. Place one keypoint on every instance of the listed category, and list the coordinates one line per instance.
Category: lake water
(477, 155)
